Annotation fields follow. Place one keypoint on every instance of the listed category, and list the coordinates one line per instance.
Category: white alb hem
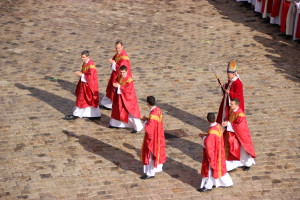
(87, 112)
(134, 123)
(209, 182)
(149, 169)
(106, 102)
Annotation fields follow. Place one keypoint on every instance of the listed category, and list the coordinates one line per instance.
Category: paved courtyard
(171, 44)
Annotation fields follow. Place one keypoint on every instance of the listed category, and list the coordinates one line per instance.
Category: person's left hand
(78, 73)
(202, 135)
(224, 124)
(116, 84)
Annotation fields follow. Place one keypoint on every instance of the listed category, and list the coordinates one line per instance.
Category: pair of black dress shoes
(145, 176)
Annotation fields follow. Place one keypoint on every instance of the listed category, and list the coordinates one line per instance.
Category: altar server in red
(125, 109)
(154, 145)
(213, 171)
(87, 94)
(119, 59)
(233, 89)
(239, 149)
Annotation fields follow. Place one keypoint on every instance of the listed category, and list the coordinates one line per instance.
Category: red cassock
(213, 153)
(297, 36)
(154, 139)
(241, 136)
(236, 91)
(284, 12)
(121, 59)
(269, 6)
(125, 102)
(275, 8)
(87, 93)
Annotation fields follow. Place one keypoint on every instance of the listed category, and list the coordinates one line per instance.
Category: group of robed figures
(121, 99)
(226, 145)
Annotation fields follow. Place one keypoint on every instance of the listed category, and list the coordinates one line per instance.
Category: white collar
(152, 108)
(235, 78)
(87, 60)
(236, 109)
(213, 124)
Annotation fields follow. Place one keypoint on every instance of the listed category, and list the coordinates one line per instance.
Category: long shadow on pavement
(176, 169)
(120, 158)
(61, 104)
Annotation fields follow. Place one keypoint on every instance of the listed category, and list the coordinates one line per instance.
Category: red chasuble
(125, 102)
(121, 59)
(241, 136)
(87, 93)
(236, 91)
(213, 153)
(154, 139)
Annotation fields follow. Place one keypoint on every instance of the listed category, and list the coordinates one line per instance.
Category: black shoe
(145, 176)
(103, 107)
(134, 131)
(94, 118)
(70, 117)
(203, 189)
(246, 168)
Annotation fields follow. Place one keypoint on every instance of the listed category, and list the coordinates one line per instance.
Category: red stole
(236, 91)
(87, 93)
(241, 136)
(121, 59)
(154, 139)
(125, 102)
(213, 153)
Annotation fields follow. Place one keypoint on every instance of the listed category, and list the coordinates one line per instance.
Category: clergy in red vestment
(233, 89)
(119, 59)
(125, 109)
(239, 150)
(87, 94)
(154, 145)
(213, 171)
(296, 35)
(284, 12)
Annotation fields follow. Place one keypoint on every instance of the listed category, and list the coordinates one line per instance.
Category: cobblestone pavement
(171, 43)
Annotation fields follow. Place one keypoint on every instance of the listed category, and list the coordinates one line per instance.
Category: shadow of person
(189, 148)
(175, 169)
(61, 104)
(182, 115)
(66, 85)
(120, 158)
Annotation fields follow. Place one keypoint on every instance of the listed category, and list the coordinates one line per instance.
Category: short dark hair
(151, 100)
(211, 117)
(237, 101)
(119, 42)
(85, 52)
(123, 67)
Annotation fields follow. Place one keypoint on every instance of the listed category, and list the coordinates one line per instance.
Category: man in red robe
(213, 170)
(87, 94)
(119, 59)
(233, 89)
(125, 109)
(153, 149)
(239, 149)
